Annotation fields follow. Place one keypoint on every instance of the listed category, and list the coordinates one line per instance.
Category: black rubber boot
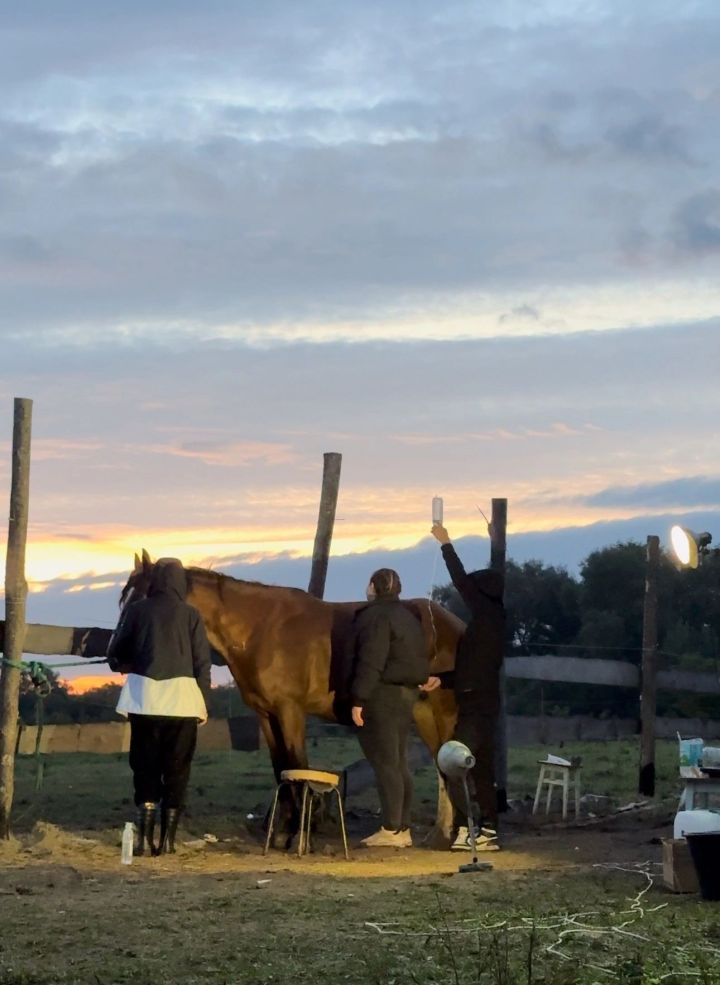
(145, 829)
(169, 818)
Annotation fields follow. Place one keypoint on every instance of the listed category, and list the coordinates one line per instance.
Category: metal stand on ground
(473, 866)
(454, 761)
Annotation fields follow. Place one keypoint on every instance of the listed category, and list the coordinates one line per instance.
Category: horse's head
(138, 584)
(156, 575)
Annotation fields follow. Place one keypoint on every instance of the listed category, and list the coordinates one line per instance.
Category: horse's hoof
(437, 840)
(281, 841)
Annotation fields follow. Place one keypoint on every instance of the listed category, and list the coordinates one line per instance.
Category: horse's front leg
(285, 807)
(286, 726)
(291, 719)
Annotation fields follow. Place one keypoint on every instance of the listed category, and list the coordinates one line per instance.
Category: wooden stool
(558, 775)
(313, 784)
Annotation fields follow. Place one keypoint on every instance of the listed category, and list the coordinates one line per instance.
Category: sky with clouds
(473, 247)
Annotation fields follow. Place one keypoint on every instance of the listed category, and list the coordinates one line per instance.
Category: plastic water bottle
(128, 838)
(437, 509)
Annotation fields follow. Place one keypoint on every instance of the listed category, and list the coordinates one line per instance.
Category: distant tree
(448, 596)
(56, 705)
(694, 598)
(601, 615)
(542, 605)
(613, 583)
(97, 705)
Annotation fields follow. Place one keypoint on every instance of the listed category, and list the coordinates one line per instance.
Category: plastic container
(711, 757)
(692, 822)
(705, 851)
(437, 509)
(691, 752)
(128, 839)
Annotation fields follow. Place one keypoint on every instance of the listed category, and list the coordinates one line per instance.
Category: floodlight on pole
(688, 546)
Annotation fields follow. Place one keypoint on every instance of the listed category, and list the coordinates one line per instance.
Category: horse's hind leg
(435, 721)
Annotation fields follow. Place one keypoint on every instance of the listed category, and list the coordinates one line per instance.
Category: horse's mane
(220, 580)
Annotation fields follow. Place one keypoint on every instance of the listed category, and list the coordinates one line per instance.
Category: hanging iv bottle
(437, 509)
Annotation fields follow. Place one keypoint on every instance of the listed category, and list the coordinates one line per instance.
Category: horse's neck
(231, 609)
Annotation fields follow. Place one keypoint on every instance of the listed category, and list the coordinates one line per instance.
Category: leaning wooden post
(498, 547)
(648, 694)
(332, 461)
(15, 594)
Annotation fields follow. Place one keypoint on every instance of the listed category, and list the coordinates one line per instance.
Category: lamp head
(688, 546)
(454, 759)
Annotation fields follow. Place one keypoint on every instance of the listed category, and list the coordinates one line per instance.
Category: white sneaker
(388, 839)
(485, 841)
(462, 841)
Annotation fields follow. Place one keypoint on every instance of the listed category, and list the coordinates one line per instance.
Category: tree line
(62, 707)
(599, 613)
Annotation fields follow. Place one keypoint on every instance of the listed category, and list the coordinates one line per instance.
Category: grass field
(87, 791)
(563, 905)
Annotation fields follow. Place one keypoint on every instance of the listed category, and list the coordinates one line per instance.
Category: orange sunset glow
(91, 682)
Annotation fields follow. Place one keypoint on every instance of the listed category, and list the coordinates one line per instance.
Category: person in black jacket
(161, 644)
(476, 682)
(390, 663)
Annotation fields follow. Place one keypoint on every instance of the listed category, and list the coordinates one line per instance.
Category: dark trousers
(161, 751)
(476, 729)
(388, 716)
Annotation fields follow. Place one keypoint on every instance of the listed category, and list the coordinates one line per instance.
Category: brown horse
(286, 651)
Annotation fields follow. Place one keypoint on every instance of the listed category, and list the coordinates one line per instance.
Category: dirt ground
(527, 845)
(221, 913)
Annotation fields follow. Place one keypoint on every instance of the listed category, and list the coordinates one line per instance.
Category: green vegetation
(463, 930)
(88, 791)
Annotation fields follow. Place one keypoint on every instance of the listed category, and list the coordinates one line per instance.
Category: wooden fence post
(648, 693)
(15, 595)
(332, 461)
(498, 548)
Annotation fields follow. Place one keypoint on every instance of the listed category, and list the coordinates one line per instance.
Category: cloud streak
(473, 247)
(353, 172)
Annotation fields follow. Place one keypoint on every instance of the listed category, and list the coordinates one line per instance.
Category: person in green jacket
(390, 663)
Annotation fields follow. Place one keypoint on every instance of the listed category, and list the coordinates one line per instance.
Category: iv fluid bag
(437, 509)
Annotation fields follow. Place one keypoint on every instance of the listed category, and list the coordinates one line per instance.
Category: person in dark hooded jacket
(390, 662)
(476, 683)
(161, 644)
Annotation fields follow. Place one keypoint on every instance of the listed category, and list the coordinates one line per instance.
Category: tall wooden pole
(15, 595)
(648, 694)
(332, 461)
(498, 548)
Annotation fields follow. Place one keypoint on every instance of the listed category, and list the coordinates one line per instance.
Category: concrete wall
(527, 731)
(106, 737)
(242, 733)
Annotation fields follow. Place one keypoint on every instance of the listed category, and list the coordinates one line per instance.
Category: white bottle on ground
(128, 838)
